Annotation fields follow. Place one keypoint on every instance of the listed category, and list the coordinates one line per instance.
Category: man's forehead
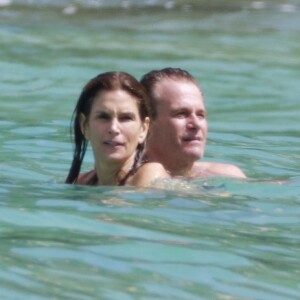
(175, 86)
(177, 91)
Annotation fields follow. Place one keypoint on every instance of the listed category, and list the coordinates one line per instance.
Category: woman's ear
(144, 130)
(83, 125)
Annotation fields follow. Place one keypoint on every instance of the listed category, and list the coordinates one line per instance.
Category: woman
(112, 113)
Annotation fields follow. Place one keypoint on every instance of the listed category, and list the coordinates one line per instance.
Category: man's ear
(83, 125)
(144, 130)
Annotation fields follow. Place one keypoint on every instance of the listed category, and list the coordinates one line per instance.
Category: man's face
(179, 132)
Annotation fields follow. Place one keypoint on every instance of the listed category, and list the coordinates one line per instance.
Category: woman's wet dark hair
(109, 81)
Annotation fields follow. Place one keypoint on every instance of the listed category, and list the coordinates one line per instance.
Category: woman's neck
(110, 173)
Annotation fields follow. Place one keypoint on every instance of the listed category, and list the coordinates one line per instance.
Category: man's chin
(193, 154)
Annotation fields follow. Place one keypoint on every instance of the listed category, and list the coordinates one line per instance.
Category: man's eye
(201, 115)
(181, 114)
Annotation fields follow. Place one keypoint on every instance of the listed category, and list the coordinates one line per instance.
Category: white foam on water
(70, 10)
(288, 8)
(258, 4)
(4, 3)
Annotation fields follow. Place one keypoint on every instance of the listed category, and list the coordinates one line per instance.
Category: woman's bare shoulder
(86, 178)
(152, 166)
(148, 173)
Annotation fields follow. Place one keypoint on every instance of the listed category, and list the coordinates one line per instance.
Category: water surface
(207, 239)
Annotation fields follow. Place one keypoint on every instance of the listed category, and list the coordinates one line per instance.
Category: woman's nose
(114, 126)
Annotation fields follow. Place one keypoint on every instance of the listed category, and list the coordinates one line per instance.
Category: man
(179, 129)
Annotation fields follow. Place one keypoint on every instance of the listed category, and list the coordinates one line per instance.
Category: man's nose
(194, 122)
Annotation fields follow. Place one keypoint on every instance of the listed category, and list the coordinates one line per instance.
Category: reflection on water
(71, 6)
(66, 240)
(203, 239)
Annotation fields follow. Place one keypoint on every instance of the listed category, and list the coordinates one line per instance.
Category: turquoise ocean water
(206, 239)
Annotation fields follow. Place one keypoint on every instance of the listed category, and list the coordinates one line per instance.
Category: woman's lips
(113, 143)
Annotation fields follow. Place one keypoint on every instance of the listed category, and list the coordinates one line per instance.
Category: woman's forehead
(115, 100)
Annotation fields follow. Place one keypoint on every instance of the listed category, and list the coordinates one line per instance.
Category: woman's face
(114, 127)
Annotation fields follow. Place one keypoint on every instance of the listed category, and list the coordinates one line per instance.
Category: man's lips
(191, 139)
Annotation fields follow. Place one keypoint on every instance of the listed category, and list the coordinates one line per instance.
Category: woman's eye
(126, 117)
(103, 116)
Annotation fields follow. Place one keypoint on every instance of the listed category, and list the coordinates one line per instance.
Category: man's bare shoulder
(212, 169)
